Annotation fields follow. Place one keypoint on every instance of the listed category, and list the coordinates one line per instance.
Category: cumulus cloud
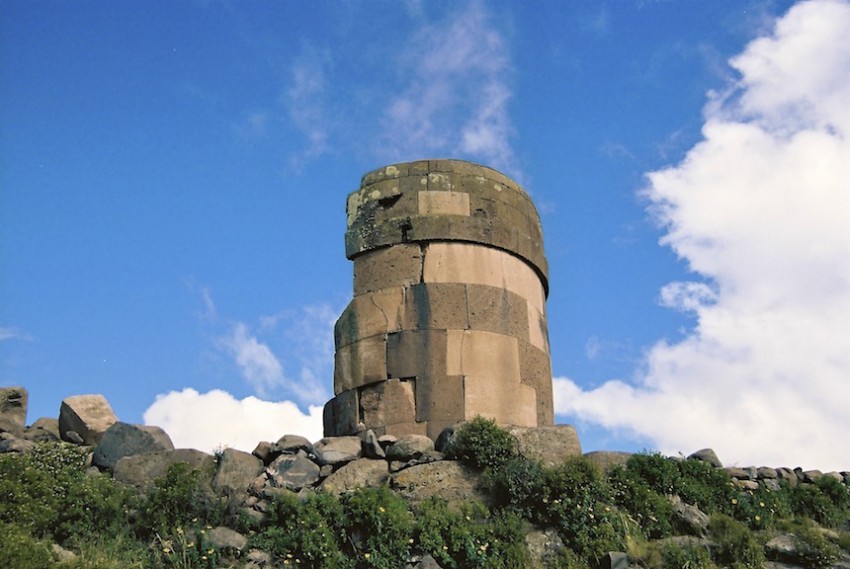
(760, 211)
(455, 93)
(255, 359)
(207, 421)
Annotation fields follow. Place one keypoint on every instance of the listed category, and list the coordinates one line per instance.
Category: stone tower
(448, 319)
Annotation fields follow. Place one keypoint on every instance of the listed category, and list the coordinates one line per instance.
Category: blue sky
(173, 178)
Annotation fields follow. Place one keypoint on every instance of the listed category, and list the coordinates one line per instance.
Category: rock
(427, 562)
(62, 555)
(446, 479)
(14, 444)
(291, 444)
(236, 470)
(707, 455)
(371, 446)
(294, 471)
(543, 547)
(87, 415)
(259, 557)
(142, 469)
(44, 429)
(788, 476)
(410, 447)
(263, 451)
(811, 476)
(765, 473)
(73, 437)
(13, 405)
(783, 547)
(337, 450)
(690, 518)
(360, 473)
(606, 461)
(549, 445)
(124, 439)
(11, 426)
(445, 438)
(835, 475)
(387, 440)
(737, 473)
(747, 484)
(225, 538)
(614, 560)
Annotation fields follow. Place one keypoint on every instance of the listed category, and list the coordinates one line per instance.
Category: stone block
(360, 363)
(463, 263)
(370, 314)
(87, 415)
(447, 203)
(399, 430)
(523, 280)
(341, 414)
(402, 205)
(388, 402)
(439, 401)
(443, 181)
(535, 369)
(538, 332)
(550, 445)
(124, 439)
(497, 310)
(440, 306)
(13, 405)
(416, 353)
(142, 470)
(484, 354)
(499, 398)
(236, 470)
(396, 266)
(360, 473)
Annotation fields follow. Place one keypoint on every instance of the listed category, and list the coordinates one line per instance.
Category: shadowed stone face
(448, 319)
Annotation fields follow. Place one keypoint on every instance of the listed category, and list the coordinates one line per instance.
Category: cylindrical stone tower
(448, 319)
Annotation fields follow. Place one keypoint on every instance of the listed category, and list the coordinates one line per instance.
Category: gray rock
(747, 484)
(614, 560)
(360, 473)
(445, 438)
(371, 447)
(13, 405)
(788, 476)
(387, 440)
(62, 555)
(427, 562)
(337, 450)
(690, 518)
(142, 469)
(124, 439)
(811, 476)
(236, 470)
(543, 547)
(73, 437)
(707, 455)
(291, 444)
(738, 473)
(548, 445)
(259, 557)
(263, 451)
(765, 473)
(294, 471)
(87, 415)
(835, 475)
(44, 429)
(14, 444)
(410, 447)
(225, 538)
(446, 479)
(11, 426)
(783, 547)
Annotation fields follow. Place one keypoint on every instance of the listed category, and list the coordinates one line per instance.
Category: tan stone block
(523, 280)
(370, 314)
(507, 402)
(418, 168)
(497, 310)
(448, 202)
(341, 416)
(538, 331)
(387, 172)
(416, 353)
(388, 402)
(536, 371)
(488, 355)
(360, 363)
(464, 263)
(513, 216)
(394, 266)
(404, 204)
(439, 401)
(439, 306)
(403, 429)
(443, 181)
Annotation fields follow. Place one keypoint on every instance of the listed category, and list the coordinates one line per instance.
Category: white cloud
(304, 100)
(207, 421)
(12, 333)
(256, 361)
(456, 91)
(760, 209)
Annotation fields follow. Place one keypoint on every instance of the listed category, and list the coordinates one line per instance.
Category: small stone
(294, 471)
(410, 447)
(87, 415)
(371, 446)
(291, 444)
(707, 455)
(263, 451)
(337, 450)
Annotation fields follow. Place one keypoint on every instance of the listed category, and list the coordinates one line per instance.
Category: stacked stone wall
(448, 319)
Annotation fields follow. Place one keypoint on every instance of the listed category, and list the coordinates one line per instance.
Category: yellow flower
(734, 500)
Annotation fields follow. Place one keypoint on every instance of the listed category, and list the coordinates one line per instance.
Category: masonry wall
(448, 319)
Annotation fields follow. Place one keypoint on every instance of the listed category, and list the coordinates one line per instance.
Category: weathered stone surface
(397, 266)
(291, 444)
(549, 445)
(607, 460)
(337, 450)
(360, 363)
(45, 429)
(142, 469)
(371, 446)
(87, 415)
(263, 451)
(388, 402)
(14, 444)
(236, 471)
(614, 560)
(123, 439)
(13, 405)
(446, 479)
(341, 414)
(294, 471)
(689, 518)
(410, 447)
(225, 538)
(543, 547)
(707, 455)
(737, 472)
(11, 426)
(427, 562)
(360, 473)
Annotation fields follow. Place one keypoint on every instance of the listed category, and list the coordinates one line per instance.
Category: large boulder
(124, 439)
(607, 460)
(45, 429)
(360, 473)
(549, 445)
(337, 450)
(225, 538)
(236, 471)
(410, 447)
(142, 469)
(86, 415)
(707, 455)
(13, 406)
(447, 479)
(294, 471)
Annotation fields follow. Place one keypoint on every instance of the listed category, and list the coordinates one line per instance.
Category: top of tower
(444, 200)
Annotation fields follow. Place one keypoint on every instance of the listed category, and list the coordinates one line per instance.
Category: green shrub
(480, 443)
(180, 499)
(827, 501)
(736, 546)
(655, 470)
(687, 556)
(471, 538)
(704, 486)
(20, 550)
(762, 508)
(379, 527)
(814, 550)
(652, 511)
(517, 486)
(27, 495)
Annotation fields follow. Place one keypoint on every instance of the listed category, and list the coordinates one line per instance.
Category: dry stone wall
(448, 319)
